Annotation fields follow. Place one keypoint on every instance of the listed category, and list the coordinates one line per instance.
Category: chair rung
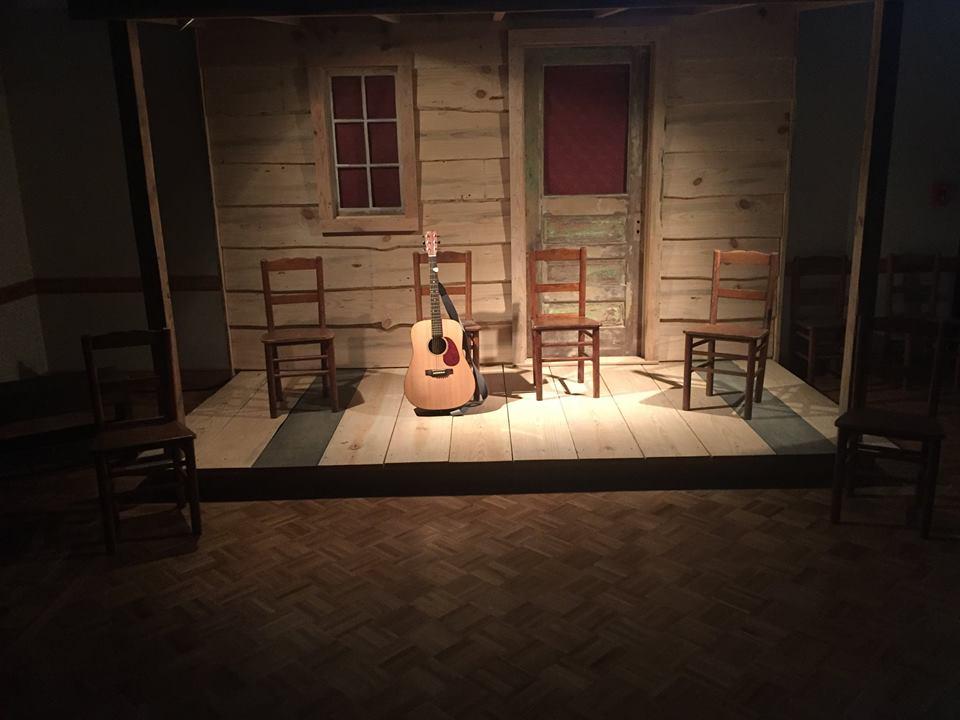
(307, 372)
(575, 358)
(302, 357)
(567, 344)
(135, 468)
(720, 355)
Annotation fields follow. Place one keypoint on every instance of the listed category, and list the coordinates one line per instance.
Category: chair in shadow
(818, 299)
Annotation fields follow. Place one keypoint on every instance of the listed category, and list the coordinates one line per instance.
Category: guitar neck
(435, 323)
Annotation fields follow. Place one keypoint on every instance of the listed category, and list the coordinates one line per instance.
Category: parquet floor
(719, 604)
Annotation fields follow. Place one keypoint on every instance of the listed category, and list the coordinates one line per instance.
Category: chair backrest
(913, 284)
(447, 257)
(943, 335)
(767, 263)
(273, 297)
(818, 285)
(160, 379)
(535, 287)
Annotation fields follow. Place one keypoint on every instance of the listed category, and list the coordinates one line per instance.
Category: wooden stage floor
(637, 416)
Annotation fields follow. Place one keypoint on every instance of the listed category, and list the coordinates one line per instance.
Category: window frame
(332, 218)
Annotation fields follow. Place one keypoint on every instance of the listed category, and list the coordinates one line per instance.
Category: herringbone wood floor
(722, 604)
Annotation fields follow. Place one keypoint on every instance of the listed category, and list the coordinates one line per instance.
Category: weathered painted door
(583, 131)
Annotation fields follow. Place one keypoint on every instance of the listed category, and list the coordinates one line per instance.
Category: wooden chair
(540, 323)
(818, 300)
(897, 427)
(470, 326)
(755, 336)
(121, 447)
(278, 336)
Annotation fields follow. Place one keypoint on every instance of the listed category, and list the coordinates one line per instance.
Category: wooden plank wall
(730, 94)
(727, 137)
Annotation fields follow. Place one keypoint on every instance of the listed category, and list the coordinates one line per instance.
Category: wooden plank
(483, 434)
(475, 88)
(419, 439)
(694, 258)
(385, 307)
(748, 172)
(657, 426)
(583, 205)
(718, 427)
(272, 227)
(818, 410)
(354, 267)
(718, 217)
(728, 126)
(256, 184)
(682, 299)
(363, 435)
(596, 425)
(465, 180)
(738, 79)
(451, 43)
(736, 32)
(214, 412)
(468, 223)
(243, 437)
(579, 230)
(453, 135)
(253, 90)
(261, 139)
(538, 429)
(364, 347)
(249, 43)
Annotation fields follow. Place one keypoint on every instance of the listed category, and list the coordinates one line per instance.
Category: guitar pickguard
(452, 354)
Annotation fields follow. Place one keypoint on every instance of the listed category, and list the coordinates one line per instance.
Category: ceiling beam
(392, 19)
(279, 20)
(499, 16)
(608, 12)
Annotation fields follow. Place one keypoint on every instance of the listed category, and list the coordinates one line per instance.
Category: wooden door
(583, 131)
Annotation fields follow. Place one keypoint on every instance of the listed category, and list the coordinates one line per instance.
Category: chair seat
(889, 424)
(545, 322)
(292, 336)
(138, 437)
(470, 325)
(728, 331)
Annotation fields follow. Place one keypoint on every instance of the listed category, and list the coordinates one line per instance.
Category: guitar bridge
(438, 373)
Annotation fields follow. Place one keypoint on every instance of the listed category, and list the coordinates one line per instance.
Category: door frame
(653, 39)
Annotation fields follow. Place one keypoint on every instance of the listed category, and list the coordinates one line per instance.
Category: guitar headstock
(430, 243)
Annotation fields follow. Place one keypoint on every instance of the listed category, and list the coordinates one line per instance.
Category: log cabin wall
(727, 134)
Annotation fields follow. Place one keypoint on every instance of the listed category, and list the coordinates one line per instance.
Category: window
(366, 163)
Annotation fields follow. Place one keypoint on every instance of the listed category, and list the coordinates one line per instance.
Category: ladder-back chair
(755, 335)
(818, 301)
(278, 336)
(123, 447)
(855, 425)
(420, 291)
(551, 322)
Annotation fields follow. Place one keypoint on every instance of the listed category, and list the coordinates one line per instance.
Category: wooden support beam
(392, 19)
(499, 16)
(871, 197)
(142, 186)
(294, 21)
(608, 12)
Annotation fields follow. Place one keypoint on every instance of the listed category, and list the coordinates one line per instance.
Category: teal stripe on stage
(305, 433)
(786, 432)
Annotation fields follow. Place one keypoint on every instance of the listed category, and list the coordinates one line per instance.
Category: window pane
(386, 187)
(381, 96)
(585, 117)
(353, 188)
(350, 144)
(383, 142)
(347, 102)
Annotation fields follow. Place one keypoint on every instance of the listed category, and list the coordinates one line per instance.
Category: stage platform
(633, 435)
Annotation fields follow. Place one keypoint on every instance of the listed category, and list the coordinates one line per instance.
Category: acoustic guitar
(439, 376)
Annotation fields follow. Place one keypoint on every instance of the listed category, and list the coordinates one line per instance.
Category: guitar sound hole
(437, 345)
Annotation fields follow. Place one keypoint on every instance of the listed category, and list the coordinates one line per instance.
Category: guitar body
(438, 380)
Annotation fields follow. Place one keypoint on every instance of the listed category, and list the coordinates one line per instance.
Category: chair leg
(271, 384)
(538, 363)
(193, 487)
(332, 375)
(761, 371)
(581, 336)
(812, 357)
(931, 471)
(687, 369)
(324, 373)
(173, 454)
(107, 504)
(711, 359)
(839, 476)
(751, 379)
(596, 362)
(276, 375)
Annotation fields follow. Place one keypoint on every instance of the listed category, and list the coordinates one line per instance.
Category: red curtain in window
(585, 118)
